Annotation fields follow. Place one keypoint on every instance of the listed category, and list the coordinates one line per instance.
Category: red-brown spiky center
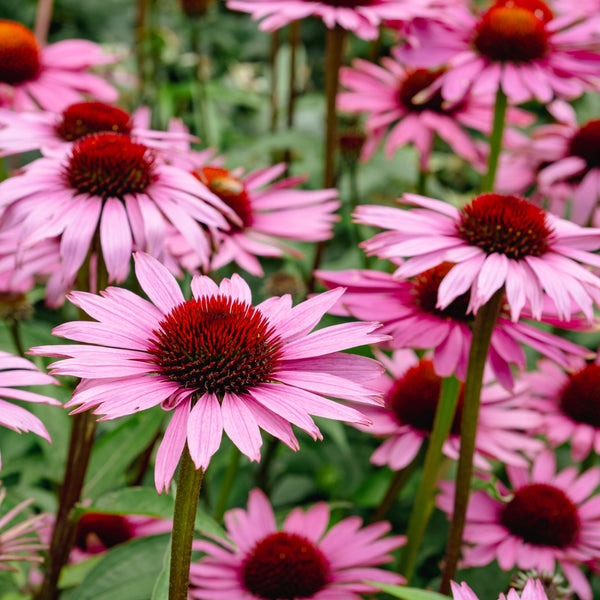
(505, 224)
(215, 345)
(539, 8)
(84, 118)
(413, 398)
(19, 53)
(425, 291)
(586, 144)
(285, 566)
(231, 190)
(416, 81)
(542, 515)
(512, 32)
(580, 397)
(109, 165)
(98, 531)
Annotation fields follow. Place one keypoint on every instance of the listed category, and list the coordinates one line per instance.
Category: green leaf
(161, 587)
(206, 525)
(407, 593)
(134, 501)
(72, 575)
(126, 571)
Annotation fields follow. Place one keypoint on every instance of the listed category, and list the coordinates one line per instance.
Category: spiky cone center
(215, 345)
(542, 515)
(231, 190)
(85, 118)
(285, 566)
(98, 531)
(505, 224)
(413, 398)
(580, 396)
(110, 165)
(511, 33)
(586, 144)
(195, 8)
(19, 53)
(416, 81)
(539, 8)
(425, 291)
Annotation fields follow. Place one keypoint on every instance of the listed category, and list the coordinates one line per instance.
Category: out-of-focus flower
(533, 590)
(217, 362)
(299, 561)
(49, 77)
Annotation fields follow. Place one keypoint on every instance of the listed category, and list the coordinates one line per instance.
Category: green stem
(42, 21)
(424, 500)
(184, 518)
(487, 185)
(275, 45)
(483, 327)
(422, 182)
(15, 334)
(227, 484)
(262, 475)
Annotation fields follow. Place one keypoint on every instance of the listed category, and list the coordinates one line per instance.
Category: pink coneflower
(216, 361)
(51, 132)
(408, 313)
(265, 214)
(117, 187)
(387, 94)
(17, 371)
(51, 77)
(544, 518)
(20, 541)
(362, 17)
(568, 403)
(534, 590)
(411, 394)
(495, 240)
(520, 46)
(299, 561)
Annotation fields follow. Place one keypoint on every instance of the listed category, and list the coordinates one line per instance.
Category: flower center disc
(109, 530)
(586, 144)
(511, 33)
(215, 345)
(416, 81)
(285, 566)
(579, 399)
(425, 290)
(19, 54)
(505, 224)
(231, 190)
(414, 397)
(84, 118)
(109, 165)
(542, 515)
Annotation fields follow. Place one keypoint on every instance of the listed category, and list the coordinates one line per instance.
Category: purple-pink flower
(544, 517)
(216, 362)
(302, 559)
(49, 77)
(495, 240)
(533, 590)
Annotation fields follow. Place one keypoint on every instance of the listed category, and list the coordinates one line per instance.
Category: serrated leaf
(407, 593)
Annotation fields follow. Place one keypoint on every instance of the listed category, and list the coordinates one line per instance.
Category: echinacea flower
(215, 361)
(49, 77)
(387, 94)
(362, 17)
(520, 46)
(265, 216)
(20, 541)
(18, 371)
(303, 559)
(533, 590)
(495, 240)
(111, 186)
(411, 395)
(408, 313)
(568, 403)
(543, 518)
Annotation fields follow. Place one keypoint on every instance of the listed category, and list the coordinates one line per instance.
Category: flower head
(50, 77)
(300, 560)
(495, 240)
(543, 518)
(533, 590)
(216, 362)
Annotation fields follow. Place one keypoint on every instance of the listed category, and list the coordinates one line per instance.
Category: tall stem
(228, 481)
(275, 45)
(483, 327)
(184, 517)
(500, 108)
(424, 500)
(42, 21)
